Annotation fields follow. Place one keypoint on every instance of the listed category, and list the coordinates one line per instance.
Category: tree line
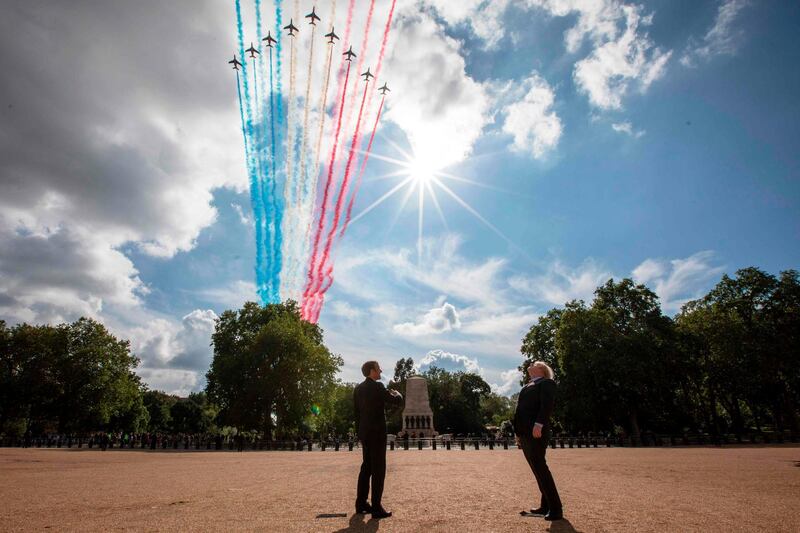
(727, 362)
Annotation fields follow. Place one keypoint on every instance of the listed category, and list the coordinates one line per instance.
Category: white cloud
(439, 356)
(531, 120)
(243, 218)
(484, 17)
(61, 275)
(437, 320)
(629, 57)
(560, 284)
(627, 127)
(509, 382)
(345, 310)
(678, 280)
(720, 39)
(441, 109)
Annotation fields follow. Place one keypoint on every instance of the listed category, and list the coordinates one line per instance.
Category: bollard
(447, 445)
(419, 444)
(350, 446)
(462, 444)
(477, 445)
(336, 446)
(505, 444)
(570, 442)
(391, 445)
(433, 444)
(561, 443)
(491, 445)
(310, 445)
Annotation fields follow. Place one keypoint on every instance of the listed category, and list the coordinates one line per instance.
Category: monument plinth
(417, 414)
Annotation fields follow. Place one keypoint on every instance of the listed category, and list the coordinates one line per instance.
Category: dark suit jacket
(370, 398)
(535, 405)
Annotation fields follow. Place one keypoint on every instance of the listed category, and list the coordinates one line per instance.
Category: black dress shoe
(554, 516)
(363, 508)
(380, 512)
(534, 512)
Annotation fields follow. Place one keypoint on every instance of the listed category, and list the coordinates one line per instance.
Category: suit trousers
(534, 450)
(373, 465)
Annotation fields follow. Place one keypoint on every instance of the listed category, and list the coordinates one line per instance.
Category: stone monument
(417, 414)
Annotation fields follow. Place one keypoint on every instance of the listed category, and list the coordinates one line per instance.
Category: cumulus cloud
(61, 275)
(560, 284)
(721, 39)
(185, 346)
(437, 320)
(440, 356)
(441, 109)
(629, 57)
(509, 382)
(531, 119)
(485, 18)
(679, 280)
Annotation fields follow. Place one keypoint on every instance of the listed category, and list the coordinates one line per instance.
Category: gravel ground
(663, 489)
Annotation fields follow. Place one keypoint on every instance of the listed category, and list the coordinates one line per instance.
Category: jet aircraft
(350, 54)
(291, 27)
(313, 16)
(269, 39)
(331, 36)
(367, 75)
(235, 63)
(252, 51)
(384, 89)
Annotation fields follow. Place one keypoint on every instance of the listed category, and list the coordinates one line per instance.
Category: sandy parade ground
(653, 489)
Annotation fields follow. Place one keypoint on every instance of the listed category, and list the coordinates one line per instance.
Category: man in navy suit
(370, 398)
(532, 428)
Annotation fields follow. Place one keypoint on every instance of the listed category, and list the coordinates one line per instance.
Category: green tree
(269, 367)
(455, 399)
(72, 377)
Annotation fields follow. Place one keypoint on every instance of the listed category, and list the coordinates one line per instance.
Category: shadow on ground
(361, 524)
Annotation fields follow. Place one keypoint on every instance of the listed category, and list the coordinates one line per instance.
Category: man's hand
(394, 392)
(537, 432)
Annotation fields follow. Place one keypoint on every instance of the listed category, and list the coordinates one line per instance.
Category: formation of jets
(313, 19)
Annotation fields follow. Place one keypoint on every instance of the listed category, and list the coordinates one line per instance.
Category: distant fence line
(219, 443)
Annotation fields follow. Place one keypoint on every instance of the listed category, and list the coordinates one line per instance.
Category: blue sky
(657, 140)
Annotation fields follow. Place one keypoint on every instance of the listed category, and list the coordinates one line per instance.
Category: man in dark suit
(370, 398)
(532, 428)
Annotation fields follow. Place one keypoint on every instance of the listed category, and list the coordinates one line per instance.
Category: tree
(337, 413)
(71, 377)
(269, 367)
(455, 400)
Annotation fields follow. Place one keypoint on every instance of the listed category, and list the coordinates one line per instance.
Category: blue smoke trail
(255, 199)
(273, 206)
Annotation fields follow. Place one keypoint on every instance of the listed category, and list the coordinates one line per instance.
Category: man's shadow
(562, 526)
(361, 524)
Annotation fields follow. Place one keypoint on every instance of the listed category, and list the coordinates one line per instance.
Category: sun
(421, 170)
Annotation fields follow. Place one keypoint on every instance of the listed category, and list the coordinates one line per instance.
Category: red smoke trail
(337, 212)
(310, 286)
(362, 169)
(361, 58)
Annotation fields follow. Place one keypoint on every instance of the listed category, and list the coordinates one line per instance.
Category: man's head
(540, 369)
(371, 369)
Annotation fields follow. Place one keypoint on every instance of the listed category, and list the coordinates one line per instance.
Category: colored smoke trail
(361, 53)
(337, 212)
(323, 102)
(278, 62)
(255, 200)
(362, 169)
(307, 105)
(311, 286)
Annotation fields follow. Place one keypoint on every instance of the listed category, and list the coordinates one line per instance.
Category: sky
(566, 141)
